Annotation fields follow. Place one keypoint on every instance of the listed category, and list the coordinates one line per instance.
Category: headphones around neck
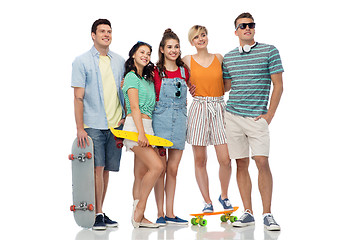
(247, 48)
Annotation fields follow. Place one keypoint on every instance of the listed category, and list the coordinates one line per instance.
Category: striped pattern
(205, 125)
(146, 93)
(250, 75)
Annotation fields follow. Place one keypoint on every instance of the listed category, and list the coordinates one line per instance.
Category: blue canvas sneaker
(176, 220)
(109, 222)
(208, 208)
(270, 223)
(226, 204)
(99, 223)
(161, 221)
(246, 219)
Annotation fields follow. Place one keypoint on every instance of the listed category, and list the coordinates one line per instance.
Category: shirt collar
(95, 52)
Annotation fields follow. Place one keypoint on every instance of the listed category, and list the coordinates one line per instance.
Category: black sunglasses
(178, 92)
(244, 25)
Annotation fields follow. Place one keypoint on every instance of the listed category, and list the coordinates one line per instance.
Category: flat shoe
(149, 225)
(135, 224)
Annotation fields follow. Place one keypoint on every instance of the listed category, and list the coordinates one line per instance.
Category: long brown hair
(168, 34)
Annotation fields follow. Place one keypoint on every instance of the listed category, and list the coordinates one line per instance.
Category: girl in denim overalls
(169, 119)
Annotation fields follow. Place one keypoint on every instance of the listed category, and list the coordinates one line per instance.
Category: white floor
(314, 135)
(310, 201)
(212, 231)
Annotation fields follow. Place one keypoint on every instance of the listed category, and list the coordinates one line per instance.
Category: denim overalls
(169, 117)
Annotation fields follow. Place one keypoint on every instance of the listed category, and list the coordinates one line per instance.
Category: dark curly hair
(148, 71)
(168, 34)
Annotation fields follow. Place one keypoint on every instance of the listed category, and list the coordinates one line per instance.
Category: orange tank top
(209, 80)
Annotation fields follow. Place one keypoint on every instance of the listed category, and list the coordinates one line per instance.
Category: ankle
(249, 210)
(224, 196)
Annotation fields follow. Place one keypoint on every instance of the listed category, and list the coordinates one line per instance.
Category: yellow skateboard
(198, 217)
(153, 140)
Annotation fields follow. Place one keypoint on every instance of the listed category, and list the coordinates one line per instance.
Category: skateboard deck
(153, 140)
(83, 186)
(199, 217)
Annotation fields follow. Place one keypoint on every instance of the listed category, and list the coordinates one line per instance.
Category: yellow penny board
(153, 140)
(225, 217)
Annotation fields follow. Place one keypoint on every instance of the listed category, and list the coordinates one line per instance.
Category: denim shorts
(106, 154)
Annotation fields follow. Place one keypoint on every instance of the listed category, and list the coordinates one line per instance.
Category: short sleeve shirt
(169, 74)
(146, 92)
(250, 75)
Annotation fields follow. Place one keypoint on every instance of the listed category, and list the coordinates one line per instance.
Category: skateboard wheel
(162, 152)
(223, 218)
(88, 155)
(90, 207)
(233, 218)
(193, 221)
(72, 208)
(71, 156)
(203, 222)
(119, 144)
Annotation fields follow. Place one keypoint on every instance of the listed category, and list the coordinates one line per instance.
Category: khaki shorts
(244, 133)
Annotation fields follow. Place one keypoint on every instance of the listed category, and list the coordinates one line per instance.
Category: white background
(314, 135)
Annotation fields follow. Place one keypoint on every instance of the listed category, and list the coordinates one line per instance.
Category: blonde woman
(205, 125)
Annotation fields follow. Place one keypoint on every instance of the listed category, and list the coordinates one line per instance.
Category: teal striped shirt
(146, 93)
(250, 79)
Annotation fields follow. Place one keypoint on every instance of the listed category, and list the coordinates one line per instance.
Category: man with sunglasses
(99, 105)
(248, 71)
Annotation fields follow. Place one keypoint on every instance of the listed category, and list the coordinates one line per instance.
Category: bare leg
(99, 188)
(139, 171)
(265, 182)
(244, 182)
(201, 175)
(151, 160)
(159, 188)
(171, 173)
(106, 183)
(225, 168)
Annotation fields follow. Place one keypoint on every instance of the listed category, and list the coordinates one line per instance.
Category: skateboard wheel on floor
(72, 208)
(203, 222)
(71, 156)
(233, 218)
(90, 207)
(223, 218)
(88, 155)
(193, 221)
